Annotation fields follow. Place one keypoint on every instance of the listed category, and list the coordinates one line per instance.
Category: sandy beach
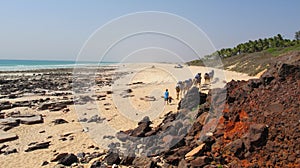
(122, 96)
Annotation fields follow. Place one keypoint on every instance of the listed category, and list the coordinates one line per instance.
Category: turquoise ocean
(21, 65)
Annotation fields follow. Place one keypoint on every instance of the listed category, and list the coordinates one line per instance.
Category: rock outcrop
(251, 123)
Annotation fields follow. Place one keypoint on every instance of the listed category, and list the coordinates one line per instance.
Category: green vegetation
(278, 51)
(251, 57)
(274, 43)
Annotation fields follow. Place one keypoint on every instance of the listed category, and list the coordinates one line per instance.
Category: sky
(58, 29)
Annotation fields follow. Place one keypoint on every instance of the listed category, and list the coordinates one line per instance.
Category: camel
(179, 89)
(209, 76)
(197, 80)
(187, 85)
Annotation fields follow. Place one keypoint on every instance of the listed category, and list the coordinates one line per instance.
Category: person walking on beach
(166, 96)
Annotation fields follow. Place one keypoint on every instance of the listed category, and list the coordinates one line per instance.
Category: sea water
(21, 65)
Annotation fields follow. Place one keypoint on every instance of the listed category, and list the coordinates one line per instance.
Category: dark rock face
(192, 99)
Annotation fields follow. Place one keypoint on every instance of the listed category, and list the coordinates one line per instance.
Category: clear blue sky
(57, 29)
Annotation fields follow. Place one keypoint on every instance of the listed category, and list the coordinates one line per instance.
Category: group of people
(183, 86)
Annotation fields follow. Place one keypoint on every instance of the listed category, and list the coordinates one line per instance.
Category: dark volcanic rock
(112, 158)
(59, 121)
(191, 99)
(68, 159)
(42, 145)
(58, 157)
(200, 161)
(141, 130)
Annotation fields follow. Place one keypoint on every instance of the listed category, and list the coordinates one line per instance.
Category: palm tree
(297, 35)
(266, 44)
(279, 36)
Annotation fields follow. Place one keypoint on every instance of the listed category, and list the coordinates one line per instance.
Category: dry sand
(121, 109)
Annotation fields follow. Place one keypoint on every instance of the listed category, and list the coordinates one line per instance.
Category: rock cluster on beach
(27, 98)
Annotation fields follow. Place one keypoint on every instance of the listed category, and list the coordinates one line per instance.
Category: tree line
(259, 45)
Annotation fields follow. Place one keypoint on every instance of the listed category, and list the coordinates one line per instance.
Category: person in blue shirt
(166, 96)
